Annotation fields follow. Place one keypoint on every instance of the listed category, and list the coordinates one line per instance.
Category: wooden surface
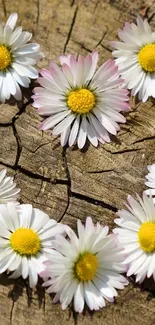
(69, 183)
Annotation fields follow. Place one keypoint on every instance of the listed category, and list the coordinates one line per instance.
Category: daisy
(25, 240)
(80, 102)
(85, 268)
(8, 190)
(135, 57)
(17, 59)
(151, 181)
(137, 235)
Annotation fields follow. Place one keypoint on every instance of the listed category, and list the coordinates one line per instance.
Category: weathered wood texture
(67, 183)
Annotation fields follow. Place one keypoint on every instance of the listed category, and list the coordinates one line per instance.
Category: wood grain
(68, 183)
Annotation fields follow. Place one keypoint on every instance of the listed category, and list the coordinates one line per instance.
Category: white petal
(10, 83)
(27, 49)
(82, 133)
(79, 298)
(25, 215)
(11, 22)
(74, 131)
(65, 136)
(68, 73)
(15, 264)
(38, 219)
(28, 71)
(64, 124)
(93, 138)
(25, 267)
(33, 275)
(53, 120)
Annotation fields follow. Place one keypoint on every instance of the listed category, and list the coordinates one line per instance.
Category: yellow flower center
(81, 101)
(5, 57)
(146, 236)
(25, 241)
(85, 267)
(146, 57)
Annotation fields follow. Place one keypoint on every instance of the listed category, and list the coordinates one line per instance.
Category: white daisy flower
(85, 268)
(8, 190)
(137, 235)
(151, 181)
(25, 240)
(80, 102)
(135, 57)
(17, 59)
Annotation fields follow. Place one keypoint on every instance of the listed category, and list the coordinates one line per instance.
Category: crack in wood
(73, 313)
(146, 14)
(151, 17)
(16, 135)
(44, 304)
(126, 151)
(18, 114)
(18, 141)
(11, 311)
(72, 3)
(28, 293)
(35, 176)
(106, 48)
(68, 180)
(40, 146)
(123, 151)
(71, 29)
(22, 109)
(93, 201)
(111, 2)
(41, 177)
(83, 46)
(145, 139)
(100, 41)
(100, 171)
(4, 8)
(6, 124)
(38, 13)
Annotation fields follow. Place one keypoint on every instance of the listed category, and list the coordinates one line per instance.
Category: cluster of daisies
(79, 103)
(86, 267)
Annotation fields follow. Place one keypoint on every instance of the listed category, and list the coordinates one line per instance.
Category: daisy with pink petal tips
(79, 102)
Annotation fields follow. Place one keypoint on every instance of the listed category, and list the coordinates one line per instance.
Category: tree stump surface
(68, 183)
